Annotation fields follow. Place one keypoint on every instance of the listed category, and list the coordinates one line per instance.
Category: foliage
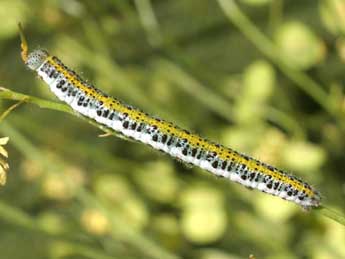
(264, 77)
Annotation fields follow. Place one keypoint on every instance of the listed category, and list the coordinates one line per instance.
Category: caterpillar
(165, 136)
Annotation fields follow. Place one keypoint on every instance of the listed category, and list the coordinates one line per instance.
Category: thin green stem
(190, 85)
(29, 149)
(331, 214)
(19, 218)
(9, 110)
(119, 230)
(267, 47)
(11, 95)
(276, 15)
(149, 21)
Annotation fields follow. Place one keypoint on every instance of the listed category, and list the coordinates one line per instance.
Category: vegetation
(264, 77)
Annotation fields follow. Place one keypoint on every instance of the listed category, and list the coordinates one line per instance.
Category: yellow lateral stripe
(170, 129)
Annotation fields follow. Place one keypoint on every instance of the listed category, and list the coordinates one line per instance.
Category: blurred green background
(272, 88)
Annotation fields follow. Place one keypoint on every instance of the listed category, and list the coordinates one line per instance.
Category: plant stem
(267, 47)
(7, 94)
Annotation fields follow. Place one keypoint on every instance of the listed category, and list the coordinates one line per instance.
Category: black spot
(51, 73)
(269, 185)
(270, 167)
(215, 164)
(105, 113)
(134, 125)
(301, 198)
(289, 193)
(140, 127)
(224, 163)
(170, 141)
(99, 112)
(111, 116)
(125, 124)
(164, 138)
(243, 177)
(276, 184)
(209, 157)
(155, 137)
(194, 151)
(60, 84)
(251, 176)
(185, 151)
(187, 132)
(64, 89)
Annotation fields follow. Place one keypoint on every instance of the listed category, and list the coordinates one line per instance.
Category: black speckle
(187, 132)
(125, 124)
(194, 151)
(111, 116)
(134, 125)
(243, 177)
(155, 137)
(199, 155)
(99, 112)
(215, 164)
(276, 184)
(185, 151)
(140, 127)
(105, 113)
(269, 185)
(224, 163)
(270, 167)
(164, 138)
(51, 73)
(170, 141)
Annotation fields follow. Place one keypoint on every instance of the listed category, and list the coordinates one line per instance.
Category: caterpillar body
(165, 136)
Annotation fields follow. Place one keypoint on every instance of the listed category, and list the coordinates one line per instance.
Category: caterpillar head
(36, 59)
